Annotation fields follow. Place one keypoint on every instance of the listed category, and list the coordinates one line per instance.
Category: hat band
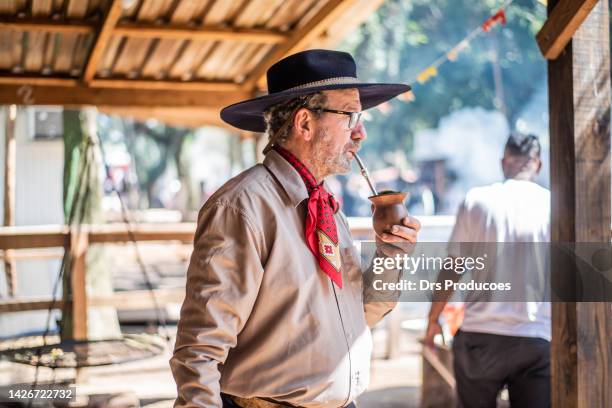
(328, 81)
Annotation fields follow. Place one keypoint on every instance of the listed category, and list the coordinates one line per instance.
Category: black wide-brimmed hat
(305, 73)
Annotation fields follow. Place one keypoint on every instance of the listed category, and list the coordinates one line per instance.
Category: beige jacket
(260, 319)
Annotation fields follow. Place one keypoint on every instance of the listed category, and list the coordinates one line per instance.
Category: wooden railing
(78, 242)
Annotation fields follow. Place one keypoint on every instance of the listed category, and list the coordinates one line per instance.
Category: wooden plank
(37, 80)
(79, 243)
(139, 299)
(46, 25)
(135, 30)
(220, 86)
(562, 23)
(86, 96)
(579, 95)
(300, 38)
(102, 38)
(24, 237)
(125, 300)
(28, 304)
(171, 116)
(111, 233)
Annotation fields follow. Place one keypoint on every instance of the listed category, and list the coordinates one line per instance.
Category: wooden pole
(9, 195)
(579, 95)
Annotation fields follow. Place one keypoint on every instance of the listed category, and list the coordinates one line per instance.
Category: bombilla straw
(365, 174)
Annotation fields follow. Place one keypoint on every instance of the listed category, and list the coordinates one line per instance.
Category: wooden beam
(300, 38)
(139, 299)
(579, 95)
(46, 25)
(104, 34)
(200, 33)
(109, 233)
(565, 18)
(28, 304)
(85, 96)
(124, 300)
(9, 79)
(188, 117)
(33, 237)
(167, 85)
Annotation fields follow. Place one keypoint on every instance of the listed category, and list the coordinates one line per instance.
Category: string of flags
(499, 17)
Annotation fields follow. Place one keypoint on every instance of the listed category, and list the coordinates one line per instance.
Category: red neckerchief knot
(320, 229)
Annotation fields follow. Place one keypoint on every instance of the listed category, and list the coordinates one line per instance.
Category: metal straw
(365, 174)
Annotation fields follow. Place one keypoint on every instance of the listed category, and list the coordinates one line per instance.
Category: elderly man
(274, 313)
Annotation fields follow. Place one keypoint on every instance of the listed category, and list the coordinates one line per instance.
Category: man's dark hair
(519, 144)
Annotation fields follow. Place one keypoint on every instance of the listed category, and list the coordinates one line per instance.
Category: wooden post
(78, 249)
(9, 195)
(579, 95)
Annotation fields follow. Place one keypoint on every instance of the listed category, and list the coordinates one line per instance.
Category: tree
(402, 38)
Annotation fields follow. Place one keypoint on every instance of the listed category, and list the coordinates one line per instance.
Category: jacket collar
(289, 179)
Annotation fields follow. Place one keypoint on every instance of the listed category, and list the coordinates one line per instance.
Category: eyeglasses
(354, 117)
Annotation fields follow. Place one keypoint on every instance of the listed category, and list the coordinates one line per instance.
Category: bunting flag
(499, 17)
(430, 72)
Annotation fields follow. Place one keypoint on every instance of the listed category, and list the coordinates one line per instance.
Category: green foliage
(404, 37)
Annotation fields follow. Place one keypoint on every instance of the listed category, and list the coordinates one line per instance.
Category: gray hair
(276, 115)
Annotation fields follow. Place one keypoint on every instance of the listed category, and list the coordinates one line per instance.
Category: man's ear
(303, 124)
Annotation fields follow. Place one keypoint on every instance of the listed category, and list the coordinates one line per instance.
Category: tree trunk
(82, 200)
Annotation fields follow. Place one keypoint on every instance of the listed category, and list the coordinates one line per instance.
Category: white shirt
(513, 211)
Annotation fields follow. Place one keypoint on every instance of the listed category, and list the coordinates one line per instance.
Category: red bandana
(321, 233)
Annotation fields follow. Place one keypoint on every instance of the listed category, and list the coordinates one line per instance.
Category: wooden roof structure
(176, 60)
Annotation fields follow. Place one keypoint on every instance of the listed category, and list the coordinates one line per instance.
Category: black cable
(161, 320)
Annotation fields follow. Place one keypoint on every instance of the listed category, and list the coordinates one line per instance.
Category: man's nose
(359, 133)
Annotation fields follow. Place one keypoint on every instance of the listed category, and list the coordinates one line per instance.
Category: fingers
(400, 233)
(412, 223)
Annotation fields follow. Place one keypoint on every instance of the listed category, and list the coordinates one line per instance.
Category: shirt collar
(287, 176)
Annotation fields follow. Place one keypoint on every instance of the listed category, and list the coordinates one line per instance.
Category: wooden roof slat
(245, 8)
(65, 52)
(288, 14)
(152, 10)
(41, 7)
(134, 30)
(34, 53)
(8, 7)
(81, 50)
(269, 10)
(108, 56)
(187, 10)
(215, 56)
(261, 53)
(239, 63)
(101, 40)
(50, 52)
(299, 38)
(76, 8)
(193, 52)
(163, 55)
(7, 44)
(231, 55)
(131, 57)
(37, 80)
(219, 12)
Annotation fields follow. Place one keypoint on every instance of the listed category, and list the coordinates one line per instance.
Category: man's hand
(402, 238)
(433, 328)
